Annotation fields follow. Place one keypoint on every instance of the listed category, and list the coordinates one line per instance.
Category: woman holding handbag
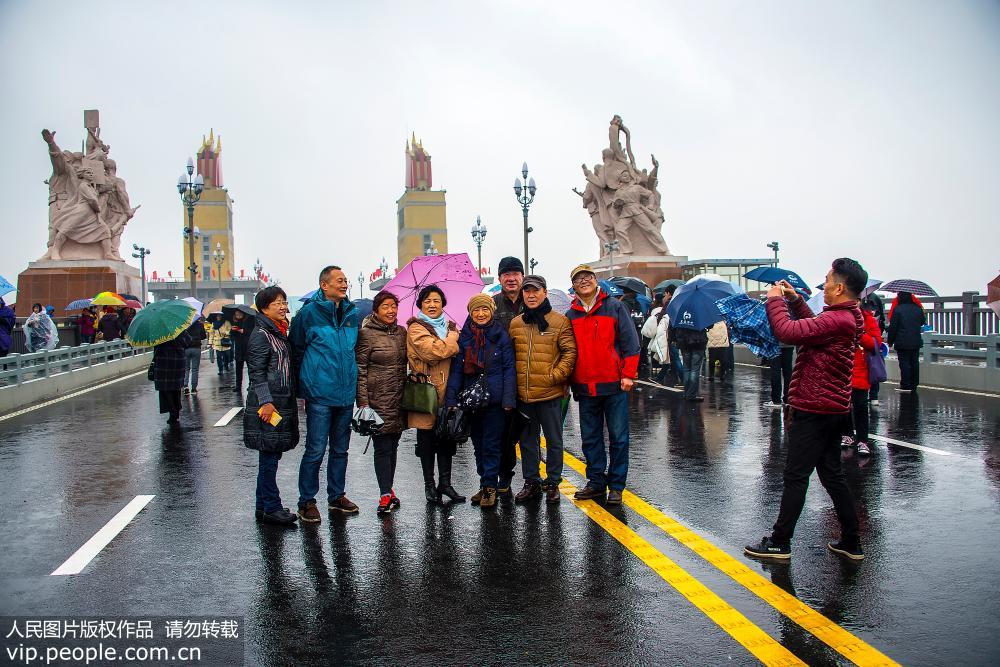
(381, 356)
(431, 342)
(482, 382)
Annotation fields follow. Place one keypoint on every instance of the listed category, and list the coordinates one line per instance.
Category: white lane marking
(922, 448)
(68, 396)
(658, 386)
(228, 417)
(75, 563)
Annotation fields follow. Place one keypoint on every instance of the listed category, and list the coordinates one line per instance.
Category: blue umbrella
(79, 304)
(693, 305)
(306, 297)
(748, 324)
(6, 287)
(611, 289)
(364, 307)
(773, 274)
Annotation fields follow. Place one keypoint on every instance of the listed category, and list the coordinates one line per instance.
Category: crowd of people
(505, 378)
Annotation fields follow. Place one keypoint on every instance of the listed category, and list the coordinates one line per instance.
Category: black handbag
(476, 395)
(151, 371)
(452, 425)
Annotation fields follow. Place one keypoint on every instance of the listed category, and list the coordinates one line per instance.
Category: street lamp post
(219, 258)
(533, 264)
(258, 269)
(773, 245)
(525, 194)
(361, 283)
(140, 254)
(190, 190)
(431, 249)
(479, 235)
(611, 247)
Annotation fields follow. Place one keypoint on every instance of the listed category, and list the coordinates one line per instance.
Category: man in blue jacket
(322, 337)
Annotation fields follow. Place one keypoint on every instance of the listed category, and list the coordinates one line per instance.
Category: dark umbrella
(693, 305)
(662, 287)
(774, 274)
(630, 283)
(128, 297)
(917, 287)
(364, 307)
(230, 309)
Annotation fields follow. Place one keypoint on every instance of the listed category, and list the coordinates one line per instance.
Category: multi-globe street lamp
(361, 283)
(140, 253)
(611, 246)
(773, 245)
(479, 235)
(525, 194)
(190, 190)
(219, 258)
(431, 249)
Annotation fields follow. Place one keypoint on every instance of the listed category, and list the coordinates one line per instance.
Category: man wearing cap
(607, 363)
(544, 357)
(509, 305)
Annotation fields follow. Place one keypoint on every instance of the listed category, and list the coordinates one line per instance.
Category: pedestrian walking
(873, 303)
(431, 342)
(323, 336)
(545, 355)
(87, 323)
(484, 351)
(221, 342)
(7, 321)
(606, 367)
(381, 359)
(820, 400)
(192, 356)
(781, 375)
(40, 332)
(870, 341)
(510, 304)
(718, 346)
(110, 326)
(906, 321)
(656, 328)
(168, 375)
(692, 344)
(272, 392)
(240, 331)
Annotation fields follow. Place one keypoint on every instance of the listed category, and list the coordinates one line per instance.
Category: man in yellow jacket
(544, 357)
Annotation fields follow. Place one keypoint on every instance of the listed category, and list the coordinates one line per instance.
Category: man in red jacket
(607, 362)
(820, 400)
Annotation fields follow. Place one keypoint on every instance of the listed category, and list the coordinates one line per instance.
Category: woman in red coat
(870, 341)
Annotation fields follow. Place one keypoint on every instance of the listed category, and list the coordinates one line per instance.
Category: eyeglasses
(584, 278)
(279, 303)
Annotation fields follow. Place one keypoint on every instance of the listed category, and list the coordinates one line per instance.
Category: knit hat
(480, 301)
(382, 296)
(510, 264)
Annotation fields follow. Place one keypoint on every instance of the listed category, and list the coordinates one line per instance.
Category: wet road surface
(660, 580)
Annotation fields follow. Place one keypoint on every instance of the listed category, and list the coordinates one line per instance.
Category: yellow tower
(420, 211)
(213, 216)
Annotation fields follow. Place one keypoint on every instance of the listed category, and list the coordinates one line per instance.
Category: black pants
(781, 374)
(241, 355)
(385, 445)
(814, 444)
(716, 354)
(909, 368)
(170, 403)
(859, 412)
(513, 426)
(429, 448)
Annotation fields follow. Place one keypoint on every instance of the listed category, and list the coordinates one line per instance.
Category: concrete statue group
(623, 202)
(88, 204)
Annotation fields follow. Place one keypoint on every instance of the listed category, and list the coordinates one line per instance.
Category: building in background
(213, 216)
(420, 212)
(730, 270)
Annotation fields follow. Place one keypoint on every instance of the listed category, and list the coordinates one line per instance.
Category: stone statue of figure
(74, 208)
(601, 198)
(115, 205)
(634, 217)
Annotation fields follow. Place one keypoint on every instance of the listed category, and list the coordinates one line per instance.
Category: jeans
(545, 416)
(486, 431)
(331, 426)
(192, 361)
(86, 339)
(716, 354)
(781, 374)
(676, 364)
(594, 411)
(386, 445)
(859, 414)
(814, 444)
(693, 359)
(240, 361)
(268, 498)
(508, 449)
(222, 359)
(909, 368)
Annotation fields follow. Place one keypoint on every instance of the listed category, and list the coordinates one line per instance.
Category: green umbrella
(159, 322)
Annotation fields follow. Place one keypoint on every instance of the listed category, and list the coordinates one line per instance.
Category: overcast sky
(867, 129)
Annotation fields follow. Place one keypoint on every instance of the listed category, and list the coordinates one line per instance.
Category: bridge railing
(966, 315)
(961, 350)
(16, 369)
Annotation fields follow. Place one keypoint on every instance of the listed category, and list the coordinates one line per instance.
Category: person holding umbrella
(272, 392)
(242, 327)
(431, 342)
(87, 322)
(110, 326)
(192, 355)
(906, 321)
(169, 365)
(606, 368)
(163, 326)
(381, 358)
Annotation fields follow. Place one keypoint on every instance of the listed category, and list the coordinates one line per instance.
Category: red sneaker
(384, 504)
(394, 500)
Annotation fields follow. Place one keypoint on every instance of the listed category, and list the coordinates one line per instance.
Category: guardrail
(966, 315)
(961, 350)
(16, 369)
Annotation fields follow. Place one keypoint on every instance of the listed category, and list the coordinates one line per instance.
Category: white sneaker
(863, 449)
(771, 404)
(874, 402)
(846, 441)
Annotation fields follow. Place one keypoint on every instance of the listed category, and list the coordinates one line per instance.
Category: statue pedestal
(58, 282)
(651, 269)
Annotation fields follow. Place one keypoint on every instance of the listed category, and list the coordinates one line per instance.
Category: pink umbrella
(454, 274)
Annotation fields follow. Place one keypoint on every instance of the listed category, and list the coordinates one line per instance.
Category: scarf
(439, 323)
(282, 326)
(536, 316)
(477, 351)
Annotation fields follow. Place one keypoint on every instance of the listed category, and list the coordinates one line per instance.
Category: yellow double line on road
(828, 632)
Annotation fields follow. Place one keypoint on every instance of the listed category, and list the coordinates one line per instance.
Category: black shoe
(846, 549)
(449, 491)
(280, 517)
(589, 493)
(430, 491)
(769, 549)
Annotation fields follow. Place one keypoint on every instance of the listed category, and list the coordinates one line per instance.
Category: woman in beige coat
(431, 342)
